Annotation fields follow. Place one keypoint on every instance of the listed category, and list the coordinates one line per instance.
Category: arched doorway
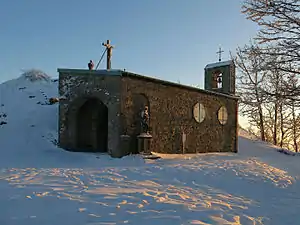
(92, 126)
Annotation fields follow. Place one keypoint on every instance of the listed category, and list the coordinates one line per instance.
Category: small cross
(220, 53)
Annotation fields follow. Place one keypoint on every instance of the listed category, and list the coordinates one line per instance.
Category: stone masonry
(77, 86)
(171, 115)
(170, 106)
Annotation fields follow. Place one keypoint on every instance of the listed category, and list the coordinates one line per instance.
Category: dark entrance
(92, 126)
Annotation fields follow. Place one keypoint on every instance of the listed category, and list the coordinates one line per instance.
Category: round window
(199, 112)
(222, 115)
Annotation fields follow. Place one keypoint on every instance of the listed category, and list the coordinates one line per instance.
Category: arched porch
(88, 123)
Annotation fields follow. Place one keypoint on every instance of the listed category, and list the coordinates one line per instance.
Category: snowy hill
(244, 133)
(41, 184)
(29, 124)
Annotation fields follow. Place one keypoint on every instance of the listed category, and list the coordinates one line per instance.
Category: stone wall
(76, 86)
(170, 106)
(171, 114)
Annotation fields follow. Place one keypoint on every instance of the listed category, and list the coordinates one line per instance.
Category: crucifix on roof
(109, 48)
(220, 53)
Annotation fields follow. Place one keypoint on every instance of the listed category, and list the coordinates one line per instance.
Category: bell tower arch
(220, 77)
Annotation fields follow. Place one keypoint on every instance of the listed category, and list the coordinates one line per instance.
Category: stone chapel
(100, 112)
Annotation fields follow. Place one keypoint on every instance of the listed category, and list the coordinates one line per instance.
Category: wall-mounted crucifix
(220, 54)
(109, 48)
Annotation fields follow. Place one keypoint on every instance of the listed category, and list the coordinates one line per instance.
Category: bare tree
(250, 81)
(279, 22)
(293, 119)
(284, 123)
(267, 82)
(275, 104)
(295, 128)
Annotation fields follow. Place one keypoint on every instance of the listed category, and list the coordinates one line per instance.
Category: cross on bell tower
(220, 53)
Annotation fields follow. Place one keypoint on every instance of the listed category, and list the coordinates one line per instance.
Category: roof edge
(219, 64)
(118, 72)
(92, 72)
(138, 76)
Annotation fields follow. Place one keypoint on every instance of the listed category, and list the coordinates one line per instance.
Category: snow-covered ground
(41, 184)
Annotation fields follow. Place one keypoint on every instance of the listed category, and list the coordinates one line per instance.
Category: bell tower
(220, 77)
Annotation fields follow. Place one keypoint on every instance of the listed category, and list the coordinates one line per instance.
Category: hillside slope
(41, 184)
(29, 126)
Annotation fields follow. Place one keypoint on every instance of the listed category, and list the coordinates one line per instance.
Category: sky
(169, 39)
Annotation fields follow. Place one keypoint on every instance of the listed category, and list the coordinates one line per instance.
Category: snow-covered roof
(118, 72)
(219, 64)
(94, 72)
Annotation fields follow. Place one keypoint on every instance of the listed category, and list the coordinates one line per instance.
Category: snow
(110, 72)
(42, 184)
(219, 64)
(34, 75)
